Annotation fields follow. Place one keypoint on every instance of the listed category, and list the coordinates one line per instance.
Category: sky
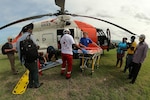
(133, 15)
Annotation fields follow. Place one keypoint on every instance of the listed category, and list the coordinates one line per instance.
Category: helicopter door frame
(102, 39)
(108, 38)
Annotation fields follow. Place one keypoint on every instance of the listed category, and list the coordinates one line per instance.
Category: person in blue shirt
(122, 47)
(85, 41)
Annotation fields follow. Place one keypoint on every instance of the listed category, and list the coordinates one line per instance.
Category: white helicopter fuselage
(48, 32)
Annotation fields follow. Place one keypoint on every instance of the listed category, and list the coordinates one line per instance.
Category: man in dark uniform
(31, 66)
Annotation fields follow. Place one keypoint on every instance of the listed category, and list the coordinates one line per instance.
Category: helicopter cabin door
(48, 39)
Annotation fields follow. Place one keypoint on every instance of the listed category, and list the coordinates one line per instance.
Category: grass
(107, 82)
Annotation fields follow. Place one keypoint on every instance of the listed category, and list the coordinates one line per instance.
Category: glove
(84, 51)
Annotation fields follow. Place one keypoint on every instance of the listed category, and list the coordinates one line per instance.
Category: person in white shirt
(67, 42)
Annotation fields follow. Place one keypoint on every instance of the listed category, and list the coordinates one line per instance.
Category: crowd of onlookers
(136, 54)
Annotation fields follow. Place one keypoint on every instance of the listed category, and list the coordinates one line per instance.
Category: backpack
(3, 49)
(6, 46)
(28, 50)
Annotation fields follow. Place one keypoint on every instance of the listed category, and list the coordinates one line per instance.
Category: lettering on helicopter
(45, 24)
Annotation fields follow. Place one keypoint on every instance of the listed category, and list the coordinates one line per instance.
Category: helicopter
(48, 32)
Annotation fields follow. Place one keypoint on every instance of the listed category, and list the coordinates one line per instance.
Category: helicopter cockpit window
(60, 32)
(101, 33)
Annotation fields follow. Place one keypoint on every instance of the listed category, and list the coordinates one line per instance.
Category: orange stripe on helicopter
(92, 34)
(16, 38)
(20, 34)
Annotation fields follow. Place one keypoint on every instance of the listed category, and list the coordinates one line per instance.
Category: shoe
(68, 76)
(30, 86)
(16, 73)
(124, 71)
(131, 82)
(39, 85)
(129, 78)
(61, 74)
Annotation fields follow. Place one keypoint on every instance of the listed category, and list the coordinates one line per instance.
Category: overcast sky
(133, 15)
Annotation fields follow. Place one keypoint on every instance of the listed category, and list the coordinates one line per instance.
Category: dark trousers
(33, 73)
(134, 72)
(128, 62)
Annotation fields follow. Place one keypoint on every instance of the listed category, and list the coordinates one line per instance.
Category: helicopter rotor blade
(61, 4)
(76, 15)
(26, 19)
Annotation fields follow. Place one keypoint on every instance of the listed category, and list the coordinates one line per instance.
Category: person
(85, 41)
(31, 66)
(42, 59)
(138, 58)
(51, 54)
(10, 51)
(122, 46)
(130, 51)
(67, 42)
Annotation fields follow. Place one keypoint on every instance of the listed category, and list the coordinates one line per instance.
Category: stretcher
(51, 64)
(91, 56)
(21, 86)
(48, 65)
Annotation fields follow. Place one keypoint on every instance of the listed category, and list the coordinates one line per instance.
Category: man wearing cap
(130, 51)
(67, 42)
(31, 66)
(138, 58)
(10, 51)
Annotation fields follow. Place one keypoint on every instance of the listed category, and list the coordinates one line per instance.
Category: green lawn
(107, 82)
